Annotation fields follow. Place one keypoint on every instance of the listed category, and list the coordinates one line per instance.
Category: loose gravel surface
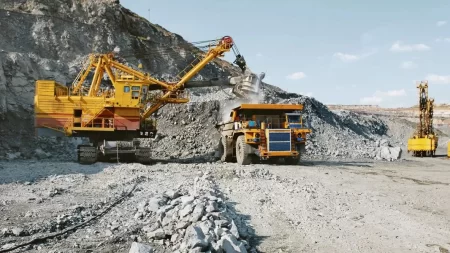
(319, 206)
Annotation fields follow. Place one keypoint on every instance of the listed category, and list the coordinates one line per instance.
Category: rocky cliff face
(48, 39)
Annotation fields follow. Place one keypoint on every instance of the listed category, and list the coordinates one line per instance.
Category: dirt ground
(320, 206)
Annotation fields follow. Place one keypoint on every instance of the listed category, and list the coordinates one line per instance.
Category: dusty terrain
(319, 206)
(342, 198)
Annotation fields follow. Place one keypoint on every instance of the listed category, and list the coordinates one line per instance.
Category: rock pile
(188, 130)
(199, 221)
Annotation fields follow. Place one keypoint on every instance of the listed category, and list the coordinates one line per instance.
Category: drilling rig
(113, 104)
(424, 142)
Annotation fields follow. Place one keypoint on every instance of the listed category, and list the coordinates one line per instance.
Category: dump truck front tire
(243, 151)
(292, 160)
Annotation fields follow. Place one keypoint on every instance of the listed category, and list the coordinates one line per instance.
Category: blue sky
(340, 52)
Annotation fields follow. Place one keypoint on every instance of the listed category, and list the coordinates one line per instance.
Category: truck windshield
(294, 119)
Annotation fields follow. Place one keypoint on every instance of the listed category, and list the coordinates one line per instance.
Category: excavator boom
(223, 45)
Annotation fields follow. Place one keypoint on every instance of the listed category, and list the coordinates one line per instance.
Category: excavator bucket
(248, 85)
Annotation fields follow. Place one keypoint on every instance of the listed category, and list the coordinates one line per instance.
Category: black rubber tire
(223, 148)
(243, 151)
(143, 155)
(292, 160)
(86, 154)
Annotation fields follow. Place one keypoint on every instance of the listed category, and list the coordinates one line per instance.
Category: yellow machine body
(423, 144)
(424, 141)
(448, 149)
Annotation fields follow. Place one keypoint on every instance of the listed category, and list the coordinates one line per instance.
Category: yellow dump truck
(263, 131)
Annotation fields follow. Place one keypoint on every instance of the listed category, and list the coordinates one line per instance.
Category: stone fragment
(18, 231)
(157, 234)
(230, 244)
(153, 204)
(212, 207)
(221, 223)
(171, 194)
(183, 224)
(186, 200)
(186, 210)
(196, 238)
(140, 248)
(234, 230)
(198, 212)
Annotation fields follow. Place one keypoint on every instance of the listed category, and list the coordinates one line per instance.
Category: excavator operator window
(135, 92)
(126, 89)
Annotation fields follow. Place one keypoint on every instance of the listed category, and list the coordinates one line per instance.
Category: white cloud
(296, 76)
(398, 46)
(308, 94)
(443, 40)
(346, 57)
(259, 54)
(394, 93)
(352, 57)
(408, 65)
(374, 100)
(380, 96)
(441, 23)
(437, 79)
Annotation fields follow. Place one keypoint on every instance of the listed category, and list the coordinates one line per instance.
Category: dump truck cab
(263, 131)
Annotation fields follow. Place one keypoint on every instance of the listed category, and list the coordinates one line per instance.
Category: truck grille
(278, 140)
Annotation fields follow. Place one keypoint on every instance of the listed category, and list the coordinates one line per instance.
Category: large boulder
(388, 153)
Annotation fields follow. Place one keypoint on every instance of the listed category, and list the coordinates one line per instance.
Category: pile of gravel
(187, 132)
(196, 221)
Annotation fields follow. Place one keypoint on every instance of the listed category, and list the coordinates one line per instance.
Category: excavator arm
(223, 45)
(243, 85)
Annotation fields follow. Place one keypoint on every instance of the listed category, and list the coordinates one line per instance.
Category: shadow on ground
(243, 222)
(329, 163)
(32, 170)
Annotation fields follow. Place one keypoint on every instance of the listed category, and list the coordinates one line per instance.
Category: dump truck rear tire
(243, 151)
(224, 151)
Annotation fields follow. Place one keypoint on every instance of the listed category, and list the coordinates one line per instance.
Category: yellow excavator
(113, 104)
(424, 142)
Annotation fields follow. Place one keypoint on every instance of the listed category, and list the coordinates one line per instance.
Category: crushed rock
(196, 221)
